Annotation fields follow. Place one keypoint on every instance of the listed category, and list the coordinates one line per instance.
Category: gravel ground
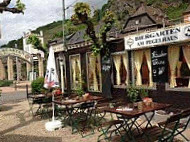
(18, 125)
(12, 96)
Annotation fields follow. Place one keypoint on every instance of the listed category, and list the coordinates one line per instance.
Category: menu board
(159, 59)
(106, 77)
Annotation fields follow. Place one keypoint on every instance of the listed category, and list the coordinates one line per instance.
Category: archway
(13, 52)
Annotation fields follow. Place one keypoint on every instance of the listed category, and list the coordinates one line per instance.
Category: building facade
(37, 68)
(146, 36)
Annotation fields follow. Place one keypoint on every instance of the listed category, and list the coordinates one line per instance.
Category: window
(75, 71)
(94, 73)
(179, 66)
(120, 69)
(143, 68)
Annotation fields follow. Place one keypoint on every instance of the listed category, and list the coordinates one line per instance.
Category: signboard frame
(163, 36)
(159, 62)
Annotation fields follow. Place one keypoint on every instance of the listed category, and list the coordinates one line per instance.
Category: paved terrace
(18, 125)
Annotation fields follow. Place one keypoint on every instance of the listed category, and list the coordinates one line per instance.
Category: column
(10, 68)
(19, 74)
(28, 69)
(2, 71)
(40, 66)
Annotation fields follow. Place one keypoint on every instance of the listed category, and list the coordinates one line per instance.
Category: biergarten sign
(177, 33)
(17, 53)
(159, 60)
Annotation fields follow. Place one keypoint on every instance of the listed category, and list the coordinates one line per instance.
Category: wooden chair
(42, 102)
(99, 113)
(108, 128)
(82, 118)
(181, 126)
(169, 129)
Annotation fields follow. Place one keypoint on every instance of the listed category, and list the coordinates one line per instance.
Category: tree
(36, 42)
(19, 7)
(83, 16)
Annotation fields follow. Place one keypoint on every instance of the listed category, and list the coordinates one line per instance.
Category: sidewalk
(11, 94)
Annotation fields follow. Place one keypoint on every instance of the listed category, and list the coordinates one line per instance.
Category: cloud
(37, 13)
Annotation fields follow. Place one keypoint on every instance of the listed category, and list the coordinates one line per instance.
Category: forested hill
(172, 8)
(122, 8)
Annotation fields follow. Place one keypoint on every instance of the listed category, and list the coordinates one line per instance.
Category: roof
(79, 36)
(155, 14)
(149, 10)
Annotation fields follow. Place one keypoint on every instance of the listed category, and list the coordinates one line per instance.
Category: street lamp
(17, 67)
(61, 62)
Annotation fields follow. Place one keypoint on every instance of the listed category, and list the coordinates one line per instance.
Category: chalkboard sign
(106, 77)
(159, 58)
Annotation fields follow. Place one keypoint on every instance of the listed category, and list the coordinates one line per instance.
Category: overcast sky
(37, 13)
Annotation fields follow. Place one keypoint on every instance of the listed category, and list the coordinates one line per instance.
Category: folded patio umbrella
(51, 81)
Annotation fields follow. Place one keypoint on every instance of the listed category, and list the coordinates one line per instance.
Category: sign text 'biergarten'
(162, 36)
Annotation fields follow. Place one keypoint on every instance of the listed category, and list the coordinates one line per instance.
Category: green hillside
(51, 31)
(122, 8)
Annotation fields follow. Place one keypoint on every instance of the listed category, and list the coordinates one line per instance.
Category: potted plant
(132, 93)
(145, 97)
(79, 91)
(143, 93)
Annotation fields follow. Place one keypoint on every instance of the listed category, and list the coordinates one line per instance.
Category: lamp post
(61, 61)
(17, 66)
(63, 23)
(32, 67)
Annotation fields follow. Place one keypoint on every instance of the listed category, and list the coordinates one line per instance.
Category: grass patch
(5, 83)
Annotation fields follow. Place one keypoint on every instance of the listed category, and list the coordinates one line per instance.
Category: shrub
(143, 93)
(37, 85)
(4, 83)
(79, 91)
(132, 93)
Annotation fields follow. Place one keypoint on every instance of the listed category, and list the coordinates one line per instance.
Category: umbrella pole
(53, 107)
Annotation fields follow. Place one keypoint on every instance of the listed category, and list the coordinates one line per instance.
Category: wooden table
(37, 96)
(39, 99)
(75, 101)
(133, 115)
(69, 104)
(135, 112)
